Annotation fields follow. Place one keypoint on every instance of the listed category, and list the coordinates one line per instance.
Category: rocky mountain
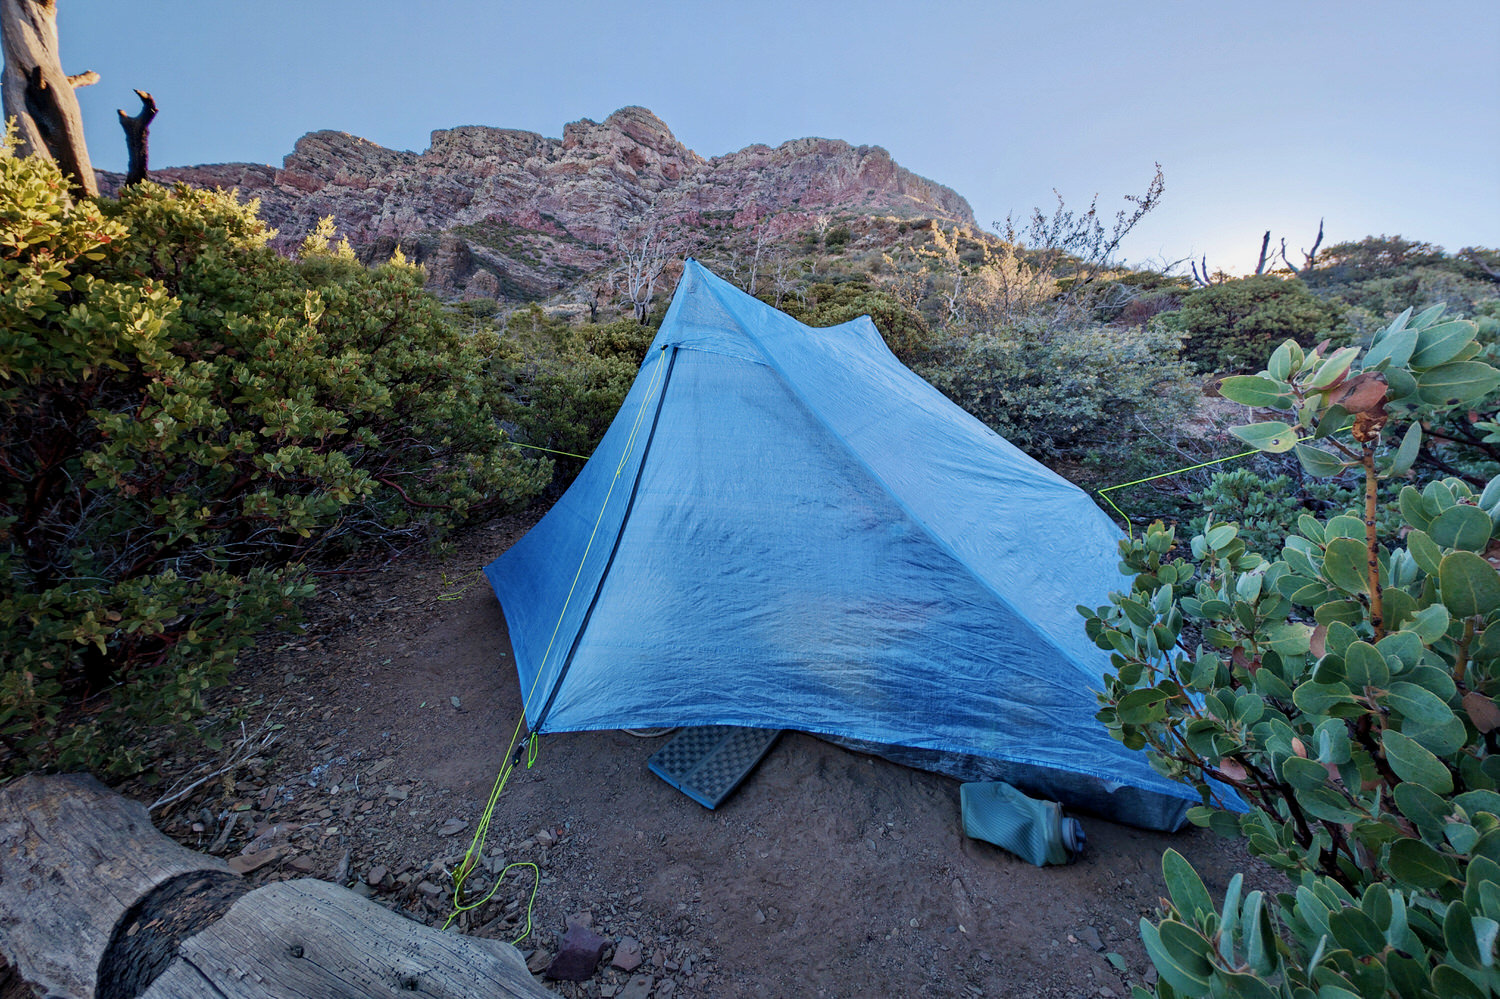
(500, 213)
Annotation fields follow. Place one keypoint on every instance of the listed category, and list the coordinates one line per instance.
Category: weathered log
(96, 904)
(39, 95)
(137, 130)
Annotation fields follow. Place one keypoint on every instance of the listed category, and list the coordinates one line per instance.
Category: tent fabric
(785, 527)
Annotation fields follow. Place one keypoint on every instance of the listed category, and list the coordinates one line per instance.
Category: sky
(1380, 117)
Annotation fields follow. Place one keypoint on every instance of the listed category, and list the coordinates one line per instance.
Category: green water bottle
(1036, 831)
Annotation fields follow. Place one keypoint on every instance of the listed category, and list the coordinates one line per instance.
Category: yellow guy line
(481, 832)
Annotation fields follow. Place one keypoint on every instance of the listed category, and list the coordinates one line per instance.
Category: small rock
(547, 839)
(455, 702)
(428, 888)
(578, 955)
(659, 958)
(1090, 936)
(665, 989)
(638, 987)
(245, 863)
(584, 919)
(538, 960)
(376, 876)
(760, 917)
(303, 864)
(627, 954)
(607, 991)
(453, 827)
(362, 890)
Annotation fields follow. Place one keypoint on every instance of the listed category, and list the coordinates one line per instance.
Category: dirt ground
(828, 874)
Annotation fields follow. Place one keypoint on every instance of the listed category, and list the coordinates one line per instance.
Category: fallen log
(95, 903)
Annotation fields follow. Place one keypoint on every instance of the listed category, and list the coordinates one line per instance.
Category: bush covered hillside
(192, 423)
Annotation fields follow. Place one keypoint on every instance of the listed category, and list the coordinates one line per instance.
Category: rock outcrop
(504, 213)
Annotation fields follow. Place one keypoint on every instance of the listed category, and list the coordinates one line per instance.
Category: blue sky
(1381, 117)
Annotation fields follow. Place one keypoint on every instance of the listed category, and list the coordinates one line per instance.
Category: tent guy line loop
(515, 744)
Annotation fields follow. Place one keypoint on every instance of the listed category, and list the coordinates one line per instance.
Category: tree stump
(96, 904)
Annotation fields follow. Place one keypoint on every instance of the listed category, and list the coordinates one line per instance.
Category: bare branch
(1265, 246)
(136, 132)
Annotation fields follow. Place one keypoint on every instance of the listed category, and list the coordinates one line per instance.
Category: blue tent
(785, 527)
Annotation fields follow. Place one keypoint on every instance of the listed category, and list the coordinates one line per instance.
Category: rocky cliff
(502, 213)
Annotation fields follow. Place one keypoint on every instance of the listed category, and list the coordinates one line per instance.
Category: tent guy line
(508, 761)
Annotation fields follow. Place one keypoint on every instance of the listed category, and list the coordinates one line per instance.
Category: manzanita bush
(1334, 705)
(187, 419)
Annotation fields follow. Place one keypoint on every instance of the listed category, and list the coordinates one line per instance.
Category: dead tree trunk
(96, 904)
(136, 131)
(39, 95)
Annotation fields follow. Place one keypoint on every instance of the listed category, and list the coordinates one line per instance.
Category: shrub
(1230, 326)
(1265, 510)
(560, 386)
(904, 330)
(1344, 693)
(200, 418)
(1067, 392)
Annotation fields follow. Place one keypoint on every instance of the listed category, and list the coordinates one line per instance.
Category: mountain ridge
(506, 213)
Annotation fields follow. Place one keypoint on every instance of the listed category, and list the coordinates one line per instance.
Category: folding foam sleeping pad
(785, 528)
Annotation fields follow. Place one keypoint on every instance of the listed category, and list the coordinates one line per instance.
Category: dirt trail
(828, 873)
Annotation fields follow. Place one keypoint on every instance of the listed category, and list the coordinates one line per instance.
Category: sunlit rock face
(515, 215)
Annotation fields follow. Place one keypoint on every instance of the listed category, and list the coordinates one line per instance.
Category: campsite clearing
(828, 873)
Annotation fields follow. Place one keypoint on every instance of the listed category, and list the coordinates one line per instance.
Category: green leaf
(1406, 454)
(1304, 774)
(1346, 611)
(1469, 584)
(1450, 983)
(1401, 385)
(1441, 740)
(1430, 623)
(1458, 933)
(1356, 931)
(1274, 437)
(1344, 565)
(1466, 527)
(1318, 462)
(1418, 704)
(1253, 390)
(1280, 364)
(1423, 807)
(1364, 666)
(1184, 886)
(1289, 638)
(1412, 762)
(1419, 865)
(1334, 367)
(1413, 510)
(1391, 349)
(1317, 698)
(1441, 343)
(1427, 316)
(1455, 384)
(1329, 805)
(1182, 967)
(1218, 537)
(1424, 550)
